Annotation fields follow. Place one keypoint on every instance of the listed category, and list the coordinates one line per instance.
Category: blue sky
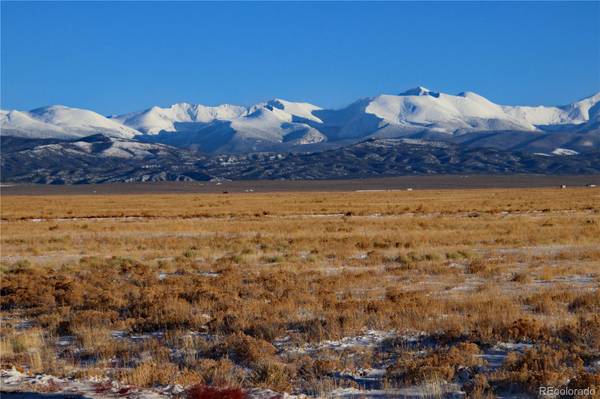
(120, 57)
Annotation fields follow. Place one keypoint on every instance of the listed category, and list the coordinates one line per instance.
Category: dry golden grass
(244, 290)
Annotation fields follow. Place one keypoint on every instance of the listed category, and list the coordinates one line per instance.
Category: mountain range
(102, 159)
(279, 125)
(415, 132)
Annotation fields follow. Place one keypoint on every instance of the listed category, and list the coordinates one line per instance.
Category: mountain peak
(416, 91)
(419, 91)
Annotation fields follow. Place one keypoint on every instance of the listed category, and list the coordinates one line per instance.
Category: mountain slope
(265, 126)
(397, 157)
(101, 159)
(182, 116)
(94, 159)
(574, 113)
(444, 113)
(58, 121)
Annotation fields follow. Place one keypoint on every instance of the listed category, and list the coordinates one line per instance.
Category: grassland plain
(389, 294)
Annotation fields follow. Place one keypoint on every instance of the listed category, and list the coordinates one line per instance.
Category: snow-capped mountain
(229, 128)
(280, 121)
(182, 116)
(284, 125)
(58, 121)
(418, 110)
(574, 113)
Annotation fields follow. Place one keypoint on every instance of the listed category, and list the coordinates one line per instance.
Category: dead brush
(588, 302)
(482, 267)
(220, 373)
(222, 301)
(26, 348)
(547, 302)
(243, 349)
(521, 277)
(587, 331)
(439, 364)
(586, 381)
(274, 375)
(150, 373)
(543, 366)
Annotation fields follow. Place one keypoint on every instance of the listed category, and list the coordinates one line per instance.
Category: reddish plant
(102, 387)
(205, 392)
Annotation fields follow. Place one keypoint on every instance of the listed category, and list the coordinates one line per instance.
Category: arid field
(480, 292)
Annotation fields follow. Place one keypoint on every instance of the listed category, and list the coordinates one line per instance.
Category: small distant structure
(409, 189)
(563, 186)
(591, 185)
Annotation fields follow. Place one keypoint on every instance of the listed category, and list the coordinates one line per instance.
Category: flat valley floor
(429, 182)
(389, 294)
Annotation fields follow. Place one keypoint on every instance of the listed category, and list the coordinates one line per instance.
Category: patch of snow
(564, 151)
(370, 339)
(496, 355)
(14, 382)
(210, 274)
(430, 390)
(65, 340)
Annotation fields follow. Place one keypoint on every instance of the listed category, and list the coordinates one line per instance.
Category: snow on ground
(14, 381)
(496, 355)
(420, 391)
(18, 385)
(369, 339)
(564, 151)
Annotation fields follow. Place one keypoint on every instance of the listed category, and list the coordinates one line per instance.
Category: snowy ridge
(58, 121)
(156, 119)
(443, 112)
(574, 113)
(282, 124)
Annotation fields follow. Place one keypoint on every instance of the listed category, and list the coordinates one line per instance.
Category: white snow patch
(564, 151)
(370, 339)
(430, 390)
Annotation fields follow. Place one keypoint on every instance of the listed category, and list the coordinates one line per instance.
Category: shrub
(439, 364)
(587, 302)
(148, 374)
(244, 349)
(273, 375)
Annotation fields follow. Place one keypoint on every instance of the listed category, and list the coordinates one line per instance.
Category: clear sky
(120, 57)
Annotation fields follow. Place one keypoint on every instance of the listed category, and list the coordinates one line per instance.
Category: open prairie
(424, 293)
